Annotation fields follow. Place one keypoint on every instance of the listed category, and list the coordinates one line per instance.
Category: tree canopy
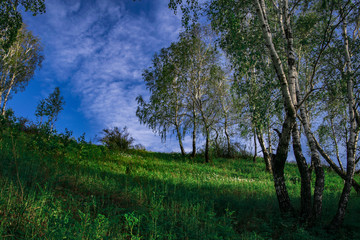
(11, 19)
(296, 49)
(50, 107)
(18, 64)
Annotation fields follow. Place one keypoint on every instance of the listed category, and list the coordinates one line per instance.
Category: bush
(116, 139)
(219, 148)
(139, 147)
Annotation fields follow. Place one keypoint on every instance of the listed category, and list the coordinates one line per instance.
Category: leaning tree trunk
(3, 110)
(265, 152)
(193, 153)
(315, 161)
(255, 146)
(333, 136)
(290, 117)
(269, 139)
(207, 157)
(332, 164)
(279, 165)
(294, 94)
(178, 133)
(227, 136)
(1, 93)
(180, 141)
(2, 84)
(304, 173)
(353, 138)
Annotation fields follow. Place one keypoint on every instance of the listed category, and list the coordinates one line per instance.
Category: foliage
(293, 49)
(11, 20)
(220, 149)
(116, 139)
(18, 64)
(50, 107)
(188, 88)
(166, 109)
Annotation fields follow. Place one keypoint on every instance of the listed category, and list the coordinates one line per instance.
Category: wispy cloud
(99, 49)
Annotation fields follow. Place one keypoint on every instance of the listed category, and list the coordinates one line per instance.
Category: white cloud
(101, 48)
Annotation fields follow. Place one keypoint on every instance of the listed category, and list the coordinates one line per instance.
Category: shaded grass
(83, 191)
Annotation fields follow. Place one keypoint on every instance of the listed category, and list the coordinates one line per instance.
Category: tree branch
(334, 166)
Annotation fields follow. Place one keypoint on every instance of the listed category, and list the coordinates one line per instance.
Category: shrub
(116, 139)
(220, 149)
(140, 147)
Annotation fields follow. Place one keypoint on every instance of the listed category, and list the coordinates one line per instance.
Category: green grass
(57, 188)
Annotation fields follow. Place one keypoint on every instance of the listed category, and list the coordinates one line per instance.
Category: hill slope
(53, 187)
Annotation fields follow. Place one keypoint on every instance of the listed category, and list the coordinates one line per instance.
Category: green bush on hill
(116, 139)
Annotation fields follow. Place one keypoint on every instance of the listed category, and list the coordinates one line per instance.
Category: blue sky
(95, 51)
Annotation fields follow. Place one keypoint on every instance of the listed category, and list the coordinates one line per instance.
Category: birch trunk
(269, 140)
(265, 152)
(255, 146)
(278, 166)
(352, 141)
(290, 118)
(193, 153)
(333, 135)
(207, 157)
(276, 61)
(293, 84)
(335, 167)
(315, 160)
(178, 133)
(3, 110)
(227, 136)
(305, 176)
(4, 76)
(1, 93)
(180, 141)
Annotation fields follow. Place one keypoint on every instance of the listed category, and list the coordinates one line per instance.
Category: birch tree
(205, 83)
(333, 133)
(18, 65)
(258, 95)
(50, 108)
(353, 115)
(277, 24)
(11, 19)
(184, 83)
(283, 26)
(165, 110)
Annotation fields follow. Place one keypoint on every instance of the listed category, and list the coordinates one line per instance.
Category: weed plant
(53, 186)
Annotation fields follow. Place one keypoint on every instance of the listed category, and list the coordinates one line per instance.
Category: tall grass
(54, 187)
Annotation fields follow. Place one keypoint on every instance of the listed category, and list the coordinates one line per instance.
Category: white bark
(353, 136)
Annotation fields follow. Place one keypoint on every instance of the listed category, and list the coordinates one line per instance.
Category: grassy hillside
(55, 187)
